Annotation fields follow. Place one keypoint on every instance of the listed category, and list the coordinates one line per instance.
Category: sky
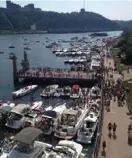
(114, 10)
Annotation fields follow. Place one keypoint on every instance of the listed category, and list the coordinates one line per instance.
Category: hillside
(124, 24)
(54, 22)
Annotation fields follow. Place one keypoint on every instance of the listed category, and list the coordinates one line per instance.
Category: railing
(99, 130)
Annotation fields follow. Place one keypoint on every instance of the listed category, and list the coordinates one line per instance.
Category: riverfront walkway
(116, 148)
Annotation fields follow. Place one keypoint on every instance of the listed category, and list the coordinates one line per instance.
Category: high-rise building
(11, 5)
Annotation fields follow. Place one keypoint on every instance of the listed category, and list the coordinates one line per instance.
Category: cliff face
(54, 22)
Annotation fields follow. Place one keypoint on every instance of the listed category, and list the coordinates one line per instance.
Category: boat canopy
(28, 135)
(70, 112)
(75, 86)
(5, 109)
(49, 114)
(20, 108)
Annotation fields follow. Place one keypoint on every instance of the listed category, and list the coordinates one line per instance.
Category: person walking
(114, 128)
(104, 145)
(110, 127)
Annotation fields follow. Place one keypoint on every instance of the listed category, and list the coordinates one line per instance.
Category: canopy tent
(75, 86)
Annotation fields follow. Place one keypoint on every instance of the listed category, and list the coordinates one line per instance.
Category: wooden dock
(58, 75)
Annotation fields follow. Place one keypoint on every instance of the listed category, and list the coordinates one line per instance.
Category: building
(11, 5)
(29, 7)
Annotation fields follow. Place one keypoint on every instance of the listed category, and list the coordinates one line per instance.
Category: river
(38, 56)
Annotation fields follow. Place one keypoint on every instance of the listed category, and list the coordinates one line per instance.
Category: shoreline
(61, 32)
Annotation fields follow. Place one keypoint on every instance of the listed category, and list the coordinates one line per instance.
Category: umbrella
(75, 86)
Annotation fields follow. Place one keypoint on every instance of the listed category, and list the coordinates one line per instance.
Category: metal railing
(99, 130)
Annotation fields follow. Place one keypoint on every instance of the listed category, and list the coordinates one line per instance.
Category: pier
(52, 75)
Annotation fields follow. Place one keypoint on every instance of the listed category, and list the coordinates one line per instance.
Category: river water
(38, 56)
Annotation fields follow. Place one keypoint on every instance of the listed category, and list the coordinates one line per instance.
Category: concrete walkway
(116, 148)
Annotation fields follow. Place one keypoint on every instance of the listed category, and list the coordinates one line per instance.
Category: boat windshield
(21, 147)
(63, 151)
(15, 116)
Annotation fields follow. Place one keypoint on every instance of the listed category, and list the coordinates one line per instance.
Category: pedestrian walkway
(116, 148)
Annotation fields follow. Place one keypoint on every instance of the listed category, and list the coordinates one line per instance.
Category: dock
(57, 75)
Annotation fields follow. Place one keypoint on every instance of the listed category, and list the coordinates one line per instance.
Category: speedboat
(29, 148)
(66, 149)
(24, 91)
(49, 118)
(17, 116)
(58, 92)
(70, 121)
(49, 90)
(66, 92)
(7, 146)
(87, 131)
(36, 105)
(75, 92)
(95, 92)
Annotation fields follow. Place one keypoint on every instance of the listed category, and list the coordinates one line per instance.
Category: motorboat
(75, 92)
(31, 147)
(11, 46)
(58, 92)
(16, 116)
(66, 149)
(66, 92)
(70, 121)
(49, 90)
(49, 118)
(23, 91)
(36, 105)
(95, 92)
(88, 129)
(7, 146)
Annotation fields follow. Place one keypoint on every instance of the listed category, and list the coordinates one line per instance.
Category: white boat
(6, 147)
(66, 92)
(86, 132)
(17, 116)
(69, 122)
(29, 148)
(36, 105)
(58, 92)
(49, 90)
(66, 149)
(24, 91)
(75, 93)
(50, 117)
(95, 92)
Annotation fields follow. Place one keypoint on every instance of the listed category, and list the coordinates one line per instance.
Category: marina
(65, 103)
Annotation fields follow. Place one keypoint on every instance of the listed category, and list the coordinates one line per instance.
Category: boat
(75, 92)
(36, 105)
(58, 92)
(11, 46)
(70, 121)
(16, 116)
(66, 149)
(29, 148)
(95, 92)
(49, 118)
(66, 92)
(27, 48)
(23, 91)
(7, 146)
(49, 90)
(88, 129)
(99, 34)
(1, 52)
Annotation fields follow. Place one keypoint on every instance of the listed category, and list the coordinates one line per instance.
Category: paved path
(119, 147)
